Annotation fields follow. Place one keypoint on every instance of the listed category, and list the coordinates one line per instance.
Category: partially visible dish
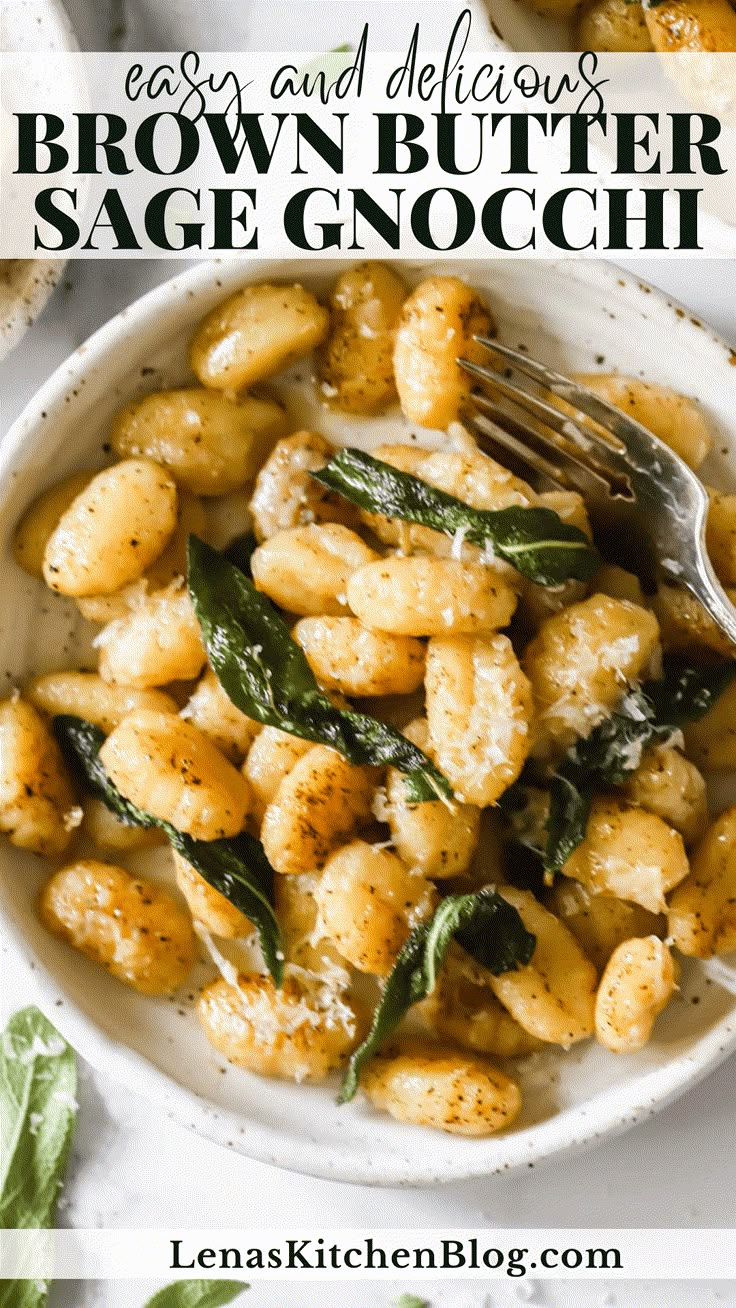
(27, 284)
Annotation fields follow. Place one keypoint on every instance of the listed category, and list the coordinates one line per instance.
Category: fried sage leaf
(484, 924)
(535, 540)
(236, 867)
(38, 1108)
(614, 749)
(266, 675)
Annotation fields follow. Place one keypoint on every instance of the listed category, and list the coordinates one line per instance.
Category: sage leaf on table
(614, 749)
(38, 1107)
(535, 540)
(484, 924)
(266, 675)
(237, 867)
(411, 1301)
(197, 1294)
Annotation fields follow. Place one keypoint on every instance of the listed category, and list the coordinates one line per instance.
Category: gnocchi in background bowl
(313, 766)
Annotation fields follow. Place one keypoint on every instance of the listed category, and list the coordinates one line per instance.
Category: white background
(133, 1168)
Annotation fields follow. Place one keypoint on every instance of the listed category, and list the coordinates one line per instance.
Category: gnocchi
(367, 903)
(479, 705)
(702, 910)
(37, 810)
(298, 1033)
(256, 333)
(172, 770)
(112, 531)
(328, 554)
(424, 596)
(630, 854)
(437, 324)
(444, 1088)
(553, 996)
(356, 361)
(159, 641)
(129, 926)
(210, 443)
(637, 984)
(349, 657)
(579, 665)
(318, 805)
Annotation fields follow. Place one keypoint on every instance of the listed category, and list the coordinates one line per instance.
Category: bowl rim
(608, 1112)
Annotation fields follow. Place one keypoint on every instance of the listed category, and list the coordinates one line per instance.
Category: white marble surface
(132, 1167)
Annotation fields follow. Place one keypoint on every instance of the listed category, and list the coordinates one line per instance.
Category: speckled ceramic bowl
(26, 284)
(575, 315)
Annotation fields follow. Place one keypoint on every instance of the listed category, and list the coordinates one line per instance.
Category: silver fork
(647, 506)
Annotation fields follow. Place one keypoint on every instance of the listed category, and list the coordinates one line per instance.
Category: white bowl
(575, 315)
(26, 284)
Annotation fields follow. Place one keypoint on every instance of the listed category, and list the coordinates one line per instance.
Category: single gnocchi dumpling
(86, 695)
(301, 1032)
(127, 925)
(441, 1087)
(479, 706)
(553, 996)
(437, 838)
(599, 922)
(347, 656)
(318, 806)
(255, 333)
(356, 362)
(368, 902)
(157, 642)
(270, 758)
(306, 570)
(169, 768)
(702, 910)
(40, 521)
(286, 495)
(628, 853)
(579, 665)
(426, 596)
(668, 784)
(36, 798)
(211, 444)
(638, 982)
(112, 531)
(437, 325)
(213, 712)
(676, 419)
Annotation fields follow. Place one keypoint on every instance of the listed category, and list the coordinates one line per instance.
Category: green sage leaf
(535, 540)
(38, 1108)
(484, 924)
